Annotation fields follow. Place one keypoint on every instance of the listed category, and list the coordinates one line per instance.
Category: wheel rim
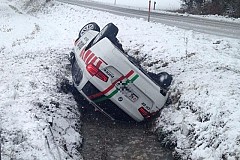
(87, 28)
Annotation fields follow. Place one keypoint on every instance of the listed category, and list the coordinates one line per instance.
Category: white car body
(127, 88)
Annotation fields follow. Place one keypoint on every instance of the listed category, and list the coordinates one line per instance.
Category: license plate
(133, 97)
(126, 92)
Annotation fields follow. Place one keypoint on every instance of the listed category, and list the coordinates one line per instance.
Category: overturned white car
(109, 79)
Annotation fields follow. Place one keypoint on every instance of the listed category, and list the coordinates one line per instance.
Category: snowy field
(39, 121)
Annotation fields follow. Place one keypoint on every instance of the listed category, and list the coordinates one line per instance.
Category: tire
(110, 31)
(163, 79)
(87, 27)
(77, 74)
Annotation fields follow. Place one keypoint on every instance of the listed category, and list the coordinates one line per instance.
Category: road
(203, 25)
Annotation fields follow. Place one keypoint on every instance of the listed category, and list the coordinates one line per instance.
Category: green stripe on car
(116, 91)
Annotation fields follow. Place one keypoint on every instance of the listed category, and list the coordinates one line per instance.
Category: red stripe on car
(82, 52)
(89, 58)
(129, 74)
(93, 60)
(86, 55)
(99, 64)
(111, 86)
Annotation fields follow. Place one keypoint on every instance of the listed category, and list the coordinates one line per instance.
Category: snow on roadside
(203, 120)
(210, 17)
(37, 120)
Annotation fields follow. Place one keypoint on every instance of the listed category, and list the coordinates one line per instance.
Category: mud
(105, 139)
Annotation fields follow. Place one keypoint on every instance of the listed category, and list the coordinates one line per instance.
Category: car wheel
(89, 26)
(110, 31)
(77, 74)
(164, 79)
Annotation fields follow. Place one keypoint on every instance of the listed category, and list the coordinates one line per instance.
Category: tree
(220, 7)
(188, 5)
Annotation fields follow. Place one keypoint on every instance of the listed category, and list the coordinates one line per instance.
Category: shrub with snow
(29, 5)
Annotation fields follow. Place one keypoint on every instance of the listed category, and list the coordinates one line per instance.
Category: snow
(38, 121)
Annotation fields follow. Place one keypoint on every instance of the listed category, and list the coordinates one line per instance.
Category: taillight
(94, 71)
(102, 76)
(144, 112)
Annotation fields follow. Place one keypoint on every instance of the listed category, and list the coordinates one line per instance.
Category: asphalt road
(203, 25)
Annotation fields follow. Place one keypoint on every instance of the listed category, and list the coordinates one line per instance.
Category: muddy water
(108, 140)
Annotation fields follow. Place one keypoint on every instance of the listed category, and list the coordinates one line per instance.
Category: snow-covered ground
(38, 121)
